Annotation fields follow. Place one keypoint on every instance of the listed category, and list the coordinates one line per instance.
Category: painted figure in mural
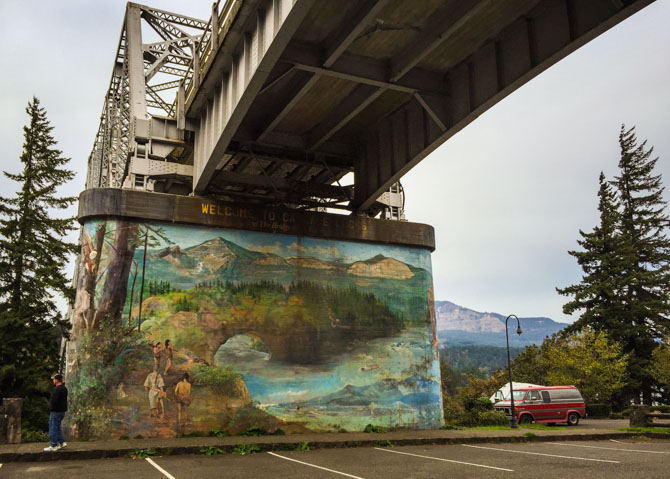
(183, 394)
(158, 352)
(154, 384)
(169, 351)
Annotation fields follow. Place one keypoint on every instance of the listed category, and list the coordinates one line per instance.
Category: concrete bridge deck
(283, 98)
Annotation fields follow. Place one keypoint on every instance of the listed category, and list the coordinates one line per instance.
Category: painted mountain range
(402, 287)
(219, 258)
(457, 325)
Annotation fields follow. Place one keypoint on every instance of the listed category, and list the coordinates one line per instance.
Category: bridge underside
(369, 87)
(278, 100)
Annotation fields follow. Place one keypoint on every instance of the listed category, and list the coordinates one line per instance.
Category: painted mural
(188, 330)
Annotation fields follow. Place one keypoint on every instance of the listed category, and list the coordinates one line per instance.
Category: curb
(378, 441)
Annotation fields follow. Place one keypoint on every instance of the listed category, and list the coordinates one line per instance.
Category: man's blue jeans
(55, 432)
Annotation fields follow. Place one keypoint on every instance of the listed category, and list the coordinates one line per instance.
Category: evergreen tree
(625, 289)
(32, 257)
(645, 256)
(598, 294)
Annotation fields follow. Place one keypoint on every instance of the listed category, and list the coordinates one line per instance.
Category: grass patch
(245, 449)
(530, 434)
(303, 446)
(386, 443)
(212, 451)
(142, 453)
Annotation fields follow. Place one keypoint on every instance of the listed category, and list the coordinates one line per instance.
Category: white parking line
(608, 448)
(540, 454)
(446, 460)
(314, 465)
(165, 473)
(614, 440)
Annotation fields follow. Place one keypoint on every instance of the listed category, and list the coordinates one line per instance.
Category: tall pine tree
(645, 257)
(32, 258)
(625, 289)
(598, 294)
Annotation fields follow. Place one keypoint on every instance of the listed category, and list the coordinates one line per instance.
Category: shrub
(224, 380)
(479, 404)
(374, 429)
(30, 435)
(598, 410)
(492, 418)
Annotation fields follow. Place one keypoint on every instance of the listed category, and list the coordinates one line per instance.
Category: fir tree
(32, 258)
(598, 294)
(645, 257)
(625, 289)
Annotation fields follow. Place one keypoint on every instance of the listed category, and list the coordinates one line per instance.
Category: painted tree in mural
(151, 236)
(33, 255)
(115, 280)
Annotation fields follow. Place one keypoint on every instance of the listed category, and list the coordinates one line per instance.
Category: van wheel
(526, 419)
(573, 419)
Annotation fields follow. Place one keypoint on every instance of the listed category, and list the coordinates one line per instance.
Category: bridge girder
(283, 98)
(378, 84)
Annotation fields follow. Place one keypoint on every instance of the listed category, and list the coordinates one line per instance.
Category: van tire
(526, 419)
(573, 419)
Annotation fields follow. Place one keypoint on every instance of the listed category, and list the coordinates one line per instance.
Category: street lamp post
(513, 423)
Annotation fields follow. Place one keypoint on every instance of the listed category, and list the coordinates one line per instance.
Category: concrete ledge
(142, 205)
(178, 446)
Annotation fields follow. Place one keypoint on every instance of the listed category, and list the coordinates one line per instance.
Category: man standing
(57, 406)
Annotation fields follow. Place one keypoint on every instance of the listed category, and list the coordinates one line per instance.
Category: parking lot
(594, 459)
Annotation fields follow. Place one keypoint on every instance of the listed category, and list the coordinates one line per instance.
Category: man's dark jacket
(58, 401)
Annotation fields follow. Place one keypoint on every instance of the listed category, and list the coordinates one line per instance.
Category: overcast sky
(507, 195)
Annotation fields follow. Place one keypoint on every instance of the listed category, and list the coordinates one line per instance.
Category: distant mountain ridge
(457, 325)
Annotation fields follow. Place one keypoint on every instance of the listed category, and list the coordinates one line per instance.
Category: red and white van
(545, 404)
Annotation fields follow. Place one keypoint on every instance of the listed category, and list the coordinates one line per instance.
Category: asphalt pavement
(83, 450)
(601, 459)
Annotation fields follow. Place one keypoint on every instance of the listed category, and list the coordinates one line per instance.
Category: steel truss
(145, 84)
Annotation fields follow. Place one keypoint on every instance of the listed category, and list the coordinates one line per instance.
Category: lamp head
(518, 330)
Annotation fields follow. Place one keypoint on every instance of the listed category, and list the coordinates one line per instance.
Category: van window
(534, 396)
(518, 395)
(545, 396)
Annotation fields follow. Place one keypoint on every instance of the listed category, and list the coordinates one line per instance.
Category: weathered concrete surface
(590, 430)
(10, 421)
